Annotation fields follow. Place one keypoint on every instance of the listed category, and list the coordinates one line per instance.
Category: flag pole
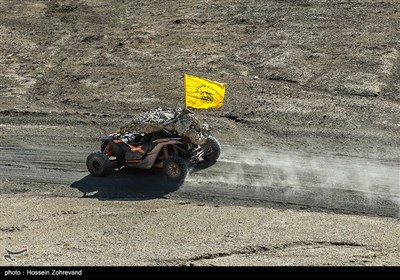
(184, 91)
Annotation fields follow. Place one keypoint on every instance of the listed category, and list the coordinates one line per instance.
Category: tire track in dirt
(40, 165)
(334, 182)
(324, 181)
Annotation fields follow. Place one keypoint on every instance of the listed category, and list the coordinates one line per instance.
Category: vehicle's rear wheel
(98, 164)
(212, 149)
(175, 168)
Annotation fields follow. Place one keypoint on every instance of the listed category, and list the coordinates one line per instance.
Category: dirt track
(310, 130)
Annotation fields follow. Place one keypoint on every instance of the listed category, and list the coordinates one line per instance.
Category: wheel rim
(174, 170)
(96, 165)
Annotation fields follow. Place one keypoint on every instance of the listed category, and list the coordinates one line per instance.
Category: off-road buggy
(171, 139)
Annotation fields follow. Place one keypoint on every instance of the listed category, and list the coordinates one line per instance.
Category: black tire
(212, 149)
(175, 168)
(98, 164)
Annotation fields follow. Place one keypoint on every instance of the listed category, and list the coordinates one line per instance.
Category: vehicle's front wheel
(98, 164)
(212, 149)
(175, 168)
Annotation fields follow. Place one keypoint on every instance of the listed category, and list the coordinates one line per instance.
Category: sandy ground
(310, 132)
(162, 232)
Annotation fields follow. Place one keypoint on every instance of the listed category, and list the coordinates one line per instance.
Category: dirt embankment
(307, 75)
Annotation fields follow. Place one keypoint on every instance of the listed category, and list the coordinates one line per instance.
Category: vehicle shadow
(130, 184)
(126, 184)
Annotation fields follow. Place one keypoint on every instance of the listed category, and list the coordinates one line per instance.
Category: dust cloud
(324, 180)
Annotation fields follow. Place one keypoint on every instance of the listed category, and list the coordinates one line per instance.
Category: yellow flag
(202, 93)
